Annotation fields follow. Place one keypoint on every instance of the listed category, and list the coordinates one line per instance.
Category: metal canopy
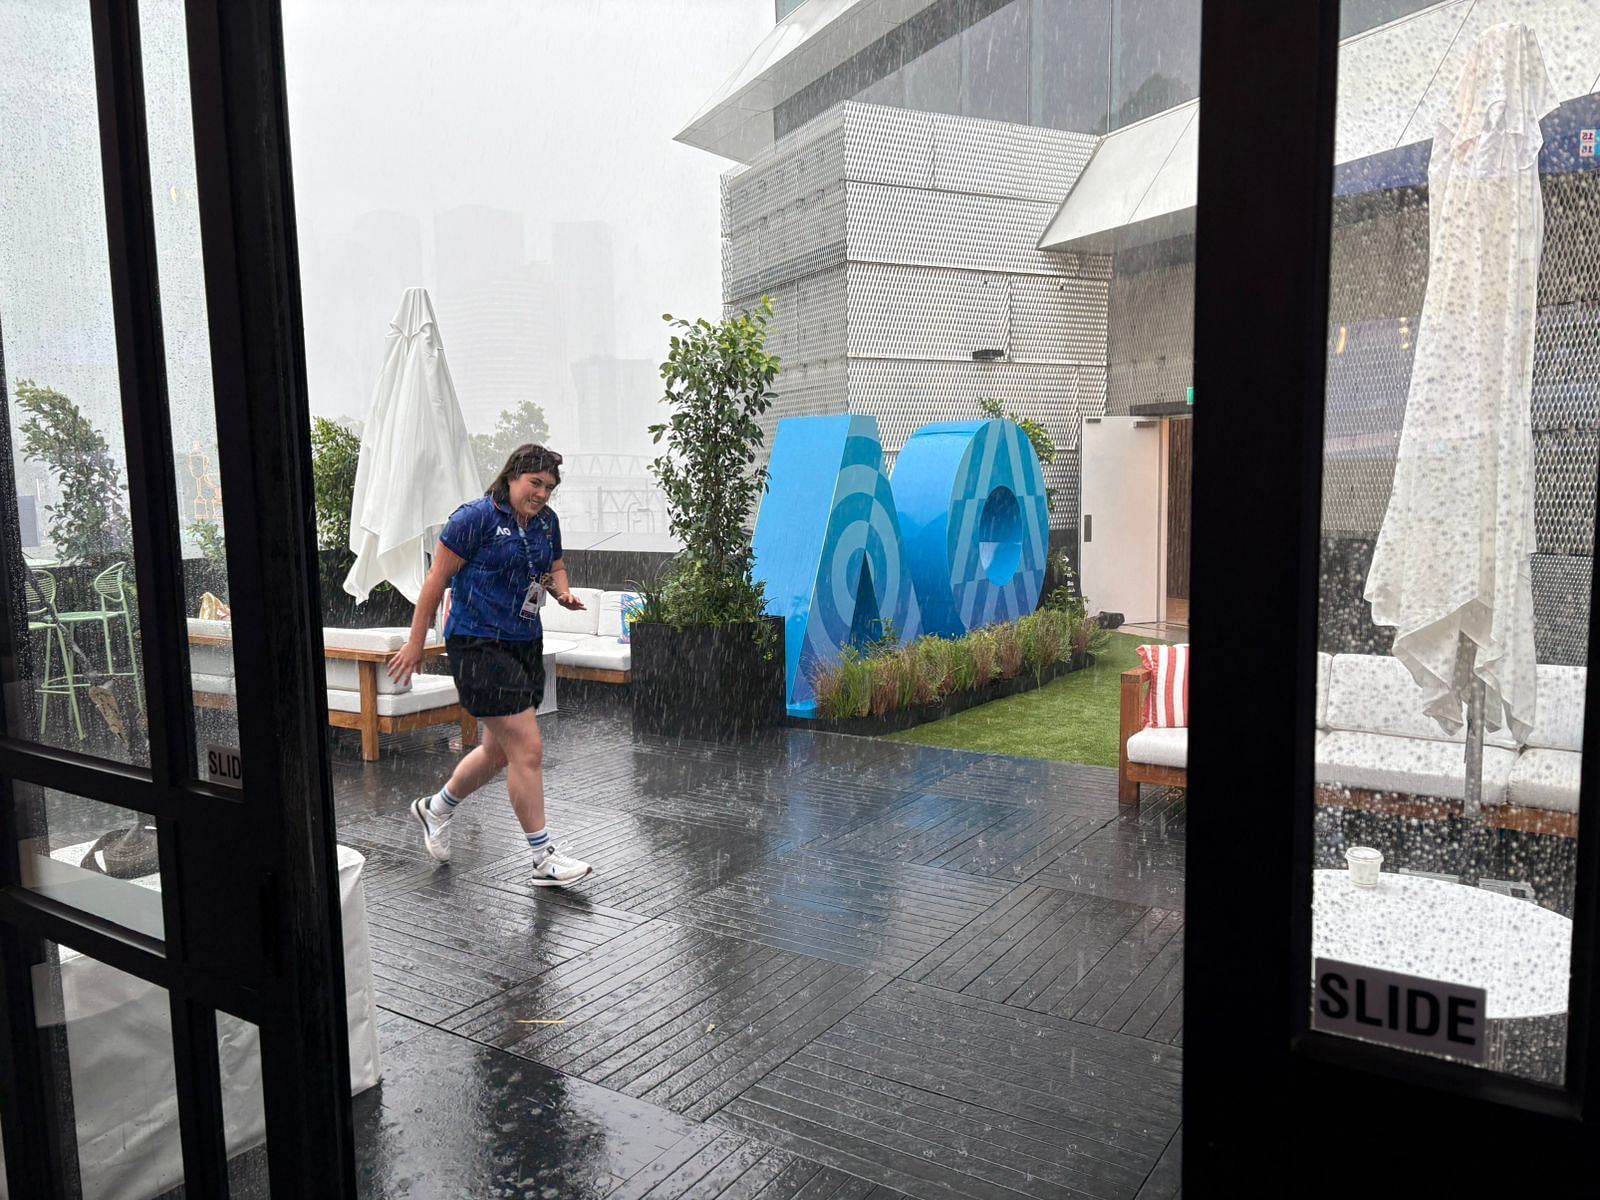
(1139, 186)
(811, 41)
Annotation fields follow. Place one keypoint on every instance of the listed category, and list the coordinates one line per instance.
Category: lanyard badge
(534, 598)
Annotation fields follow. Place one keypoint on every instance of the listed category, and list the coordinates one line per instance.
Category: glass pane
(908, 285)
(1155, 60)
(1071, 63)
(933, 80)
(244, 1116)
(997, 55)
(1462, 424)
(107, 1040)
(93, 856)
(70, 559)
(189, 385)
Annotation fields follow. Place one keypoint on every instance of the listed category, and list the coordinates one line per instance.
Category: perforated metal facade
(894, 244)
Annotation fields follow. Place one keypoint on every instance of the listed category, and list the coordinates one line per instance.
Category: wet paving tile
(1026, 781)
(457, 941)
(850, 909)
(453, 1118)
(645, 865)
(1122, 862)
(904, 1092)
(675, 1016)
(979, 837)
(723, 1166)
(1166, 1181)
(811, 967)
(1111, 964)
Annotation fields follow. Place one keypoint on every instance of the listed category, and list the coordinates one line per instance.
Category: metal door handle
(1088, 527)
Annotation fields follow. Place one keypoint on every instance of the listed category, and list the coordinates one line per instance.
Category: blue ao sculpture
(957, 541)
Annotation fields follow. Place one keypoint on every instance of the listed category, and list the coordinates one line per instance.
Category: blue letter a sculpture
(827, 546)
(976, 518)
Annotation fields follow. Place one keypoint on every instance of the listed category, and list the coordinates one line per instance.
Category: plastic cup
(1363, 862)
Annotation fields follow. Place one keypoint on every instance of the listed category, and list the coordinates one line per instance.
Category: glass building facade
(1089, 66)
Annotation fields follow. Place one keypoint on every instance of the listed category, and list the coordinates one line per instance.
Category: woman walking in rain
(504, 552)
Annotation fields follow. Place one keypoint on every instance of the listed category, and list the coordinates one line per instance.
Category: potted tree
(707, 659)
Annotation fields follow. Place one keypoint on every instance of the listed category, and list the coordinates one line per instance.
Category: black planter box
(708, 682)
(909, 718)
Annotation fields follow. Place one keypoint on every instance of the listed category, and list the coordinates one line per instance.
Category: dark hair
(524, 460)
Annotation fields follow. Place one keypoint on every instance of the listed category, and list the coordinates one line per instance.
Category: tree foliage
(91, 522)
(516, 426)
(718, 379)
(335, 455)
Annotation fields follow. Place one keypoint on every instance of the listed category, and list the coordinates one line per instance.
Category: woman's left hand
(568, 600)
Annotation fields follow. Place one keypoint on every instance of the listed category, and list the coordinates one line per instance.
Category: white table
(119, 1038)
(552, 647)
(1518, 953)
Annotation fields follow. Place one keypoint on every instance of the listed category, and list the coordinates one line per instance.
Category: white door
(1120, 530)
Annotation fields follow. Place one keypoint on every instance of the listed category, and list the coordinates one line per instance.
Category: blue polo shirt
(502, 558)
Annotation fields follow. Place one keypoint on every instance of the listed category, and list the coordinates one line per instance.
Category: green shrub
(1008, 650)
(985, 657)
(880, 678)
(963, 664)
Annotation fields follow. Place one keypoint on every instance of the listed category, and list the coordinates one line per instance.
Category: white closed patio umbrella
(1451, 568)
(416, 463)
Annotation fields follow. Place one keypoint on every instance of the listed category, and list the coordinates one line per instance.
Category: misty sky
(557, 110)
(561, 109)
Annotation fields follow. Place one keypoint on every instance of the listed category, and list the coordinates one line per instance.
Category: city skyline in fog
(518, 162)
(514, 159)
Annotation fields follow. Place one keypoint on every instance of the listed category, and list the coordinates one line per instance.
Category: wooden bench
(369, 721)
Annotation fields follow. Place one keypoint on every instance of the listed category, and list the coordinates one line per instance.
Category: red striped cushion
(1167, 702)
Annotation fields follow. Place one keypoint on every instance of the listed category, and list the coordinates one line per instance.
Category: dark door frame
(249, 878)
(1265, 1100)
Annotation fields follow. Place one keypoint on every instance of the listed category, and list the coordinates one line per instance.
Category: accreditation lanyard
(535, 595)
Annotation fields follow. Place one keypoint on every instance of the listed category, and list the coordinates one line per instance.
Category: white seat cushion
(556, 619)
(1409, 765)
(1374, 693)
(600, 653)
(345, 675)
(1558, 722)
(386, 639)
(1546, 779)
(1324, 670)
(217, 685)
(1160, 747)
(210, 660)
(427, 691)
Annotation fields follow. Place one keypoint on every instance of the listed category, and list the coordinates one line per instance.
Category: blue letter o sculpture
(975, 522)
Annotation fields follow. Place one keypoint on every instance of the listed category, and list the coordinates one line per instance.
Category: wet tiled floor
(815, 967)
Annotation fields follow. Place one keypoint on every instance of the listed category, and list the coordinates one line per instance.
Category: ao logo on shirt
(957, 540)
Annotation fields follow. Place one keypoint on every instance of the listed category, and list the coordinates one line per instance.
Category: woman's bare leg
(476, 768)
(522, 749)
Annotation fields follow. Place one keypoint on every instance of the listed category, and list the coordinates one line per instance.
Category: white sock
(441, 804)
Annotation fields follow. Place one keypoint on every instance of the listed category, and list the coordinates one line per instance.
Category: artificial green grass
(1076, 718)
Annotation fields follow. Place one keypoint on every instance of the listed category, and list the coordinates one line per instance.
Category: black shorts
(496, 678)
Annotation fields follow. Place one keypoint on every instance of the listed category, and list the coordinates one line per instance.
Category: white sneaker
(551, 868)
(435, 830)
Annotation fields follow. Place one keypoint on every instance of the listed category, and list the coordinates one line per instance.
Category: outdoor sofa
(600, 654)
(361, 695)
(1376, 752)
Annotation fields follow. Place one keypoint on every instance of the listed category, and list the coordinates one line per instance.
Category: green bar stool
(40, 591)
(114, 609)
